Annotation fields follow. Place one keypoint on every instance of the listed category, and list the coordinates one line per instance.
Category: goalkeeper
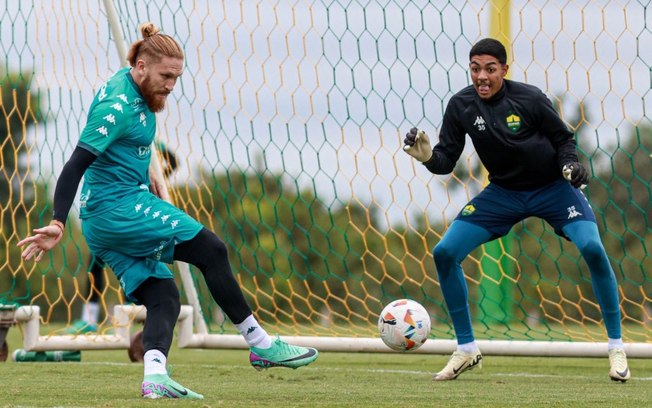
(533, 170)
(133, 230)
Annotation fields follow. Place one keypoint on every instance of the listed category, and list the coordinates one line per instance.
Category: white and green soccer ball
(404, 325)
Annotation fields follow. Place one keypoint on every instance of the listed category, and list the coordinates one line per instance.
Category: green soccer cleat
(81, 327)
(282, 354)
(459, 363)
(162, 386)
(619, 369)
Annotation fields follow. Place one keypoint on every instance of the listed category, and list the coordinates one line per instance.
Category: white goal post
(187, 337)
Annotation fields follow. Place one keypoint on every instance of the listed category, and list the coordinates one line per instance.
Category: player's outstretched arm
(46, 238)
(43, 240)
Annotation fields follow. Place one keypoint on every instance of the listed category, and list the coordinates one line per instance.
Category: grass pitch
(225, 378)
(109, 379)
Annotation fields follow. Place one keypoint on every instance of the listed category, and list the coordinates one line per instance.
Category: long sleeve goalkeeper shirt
(518, 135)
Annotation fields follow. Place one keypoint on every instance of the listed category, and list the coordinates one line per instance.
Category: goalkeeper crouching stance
(534, 171)
(128, 225)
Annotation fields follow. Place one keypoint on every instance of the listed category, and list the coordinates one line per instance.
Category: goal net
(287, 126)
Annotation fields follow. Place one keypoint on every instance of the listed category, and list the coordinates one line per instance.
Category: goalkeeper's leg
(458, 241)
(585, 235)
(209, 253)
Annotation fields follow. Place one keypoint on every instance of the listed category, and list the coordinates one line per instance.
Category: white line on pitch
(368, 370)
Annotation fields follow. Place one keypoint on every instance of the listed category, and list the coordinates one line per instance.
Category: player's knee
(218, 247)
(592, 251)
(444, 257)
(211, 244)
(202, 251)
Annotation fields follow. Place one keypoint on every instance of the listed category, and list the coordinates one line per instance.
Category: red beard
(154, 100)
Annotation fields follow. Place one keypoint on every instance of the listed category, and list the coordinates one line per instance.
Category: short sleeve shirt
(119, 131)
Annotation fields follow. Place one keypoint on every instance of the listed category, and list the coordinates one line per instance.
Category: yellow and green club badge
(468, 209)
(513, 122)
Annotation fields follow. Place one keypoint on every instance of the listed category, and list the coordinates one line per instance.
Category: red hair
(153, 46)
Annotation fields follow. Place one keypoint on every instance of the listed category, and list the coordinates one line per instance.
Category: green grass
(109, 379)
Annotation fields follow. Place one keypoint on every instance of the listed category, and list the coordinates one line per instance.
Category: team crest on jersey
(468, 209)
(143, 150)
(135, 104)
(513, 122)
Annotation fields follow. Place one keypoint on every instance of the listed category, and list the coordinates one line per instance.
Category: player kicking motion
(531, 157)
(128, 226)
(95, 286)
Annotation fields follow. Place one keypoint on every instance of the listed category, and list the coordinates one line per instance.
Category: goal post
(288, 124)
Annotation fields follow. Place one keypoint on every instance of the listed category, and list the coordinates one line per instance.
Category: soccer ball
(404, 325)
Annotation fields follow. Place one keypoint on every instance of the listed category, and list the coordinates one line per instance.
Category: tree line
(303, 260)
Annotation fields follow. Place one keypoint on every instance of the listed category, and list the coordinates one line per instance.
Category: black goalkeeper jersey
(518, 135)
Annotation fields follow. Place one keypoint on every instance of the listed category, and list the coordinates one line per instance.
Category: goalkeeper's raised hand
(417, 145)
(576, 174)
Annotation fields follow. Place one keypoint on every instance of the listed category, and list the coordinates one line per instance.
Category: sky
(323, 91)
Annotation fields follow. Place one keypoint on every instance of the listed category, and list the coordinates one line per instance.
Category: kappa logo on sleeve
(102, 130)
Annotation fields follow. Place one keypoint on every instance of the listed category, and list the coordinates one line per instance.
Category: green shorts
(137, 236)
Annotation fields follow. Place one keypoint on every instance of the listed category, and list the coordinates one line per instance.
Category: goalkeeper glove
(417, 145)
(576, 174)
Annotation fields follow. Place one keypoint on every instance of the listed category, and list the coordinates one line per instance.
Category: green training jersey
(119, 131)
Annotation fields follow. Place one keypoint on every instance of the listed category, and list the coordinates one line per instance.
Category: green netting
(288, 124)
